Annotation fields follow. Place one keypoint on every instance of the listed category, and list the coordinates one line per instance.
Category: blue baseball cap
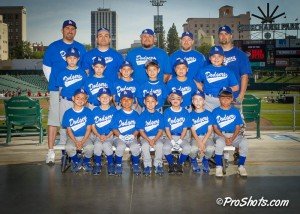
(225, 28)
(225, 91)
(148, 31)
(79, 91)
(151, 62)
(69, 22)
(180, 61)
(189, 34)
(103, 29)
(216, 50)
(103, 91)
(126, 63)
(151, 94)
(199, 93)
(126, 93)
(99, 60)
(72, 52)
(177, 92)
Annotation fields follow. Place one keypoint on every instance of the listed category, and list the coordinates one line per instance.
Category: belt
(227, 132)
(178, 134)
(202, 134)
(67, 98)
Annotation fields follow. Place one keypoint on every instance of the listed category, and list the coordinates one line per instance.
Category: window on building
(16, 16)
(201, 25)
(195, 25)
(17, 30)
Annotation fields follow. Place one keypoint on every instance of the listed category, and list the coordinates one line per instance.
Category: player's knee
(209, 151)
(194, 151)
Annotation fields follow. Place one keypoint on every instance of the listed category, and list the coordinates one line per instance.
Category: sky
(45, 18)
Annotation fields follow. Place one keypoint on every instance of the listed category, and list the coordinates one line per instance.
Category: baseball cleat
(136, 169)
(97, 169)
(171, 169)
(147, 171)
(50, 157)
(87, 167)
(159, 170)
(75, 167)
(205, 166)
(179, 169)
(111, 169)
(119, 169)
(242, 171)
(195, 167)
(219, 172)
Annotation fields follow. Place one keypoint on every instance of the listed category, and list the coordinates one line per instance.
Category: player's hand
(173, 142)
(103, 138)
(122, 137)
(179, 142)
(151, 142)
(201, 147)
(228, 141)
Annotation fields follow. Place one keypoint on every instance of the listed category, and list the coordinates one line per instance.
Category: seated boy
(177, 121)
(227, 125)
(78, 122)
(150, 125)
(125, 130)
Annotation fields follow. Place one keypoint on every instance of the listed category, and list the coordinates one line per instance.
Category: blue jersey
(55, 58)
(113, 61)
(227, 120)
(125, 122)
(195, 60)
(139, 56)
(78, 120)
(103, 119)
(201, 121)
(122, 85)
(150, 123)
(92, 86)
(215, 78)
(238, 63)
(156, 87)
(176, 121)
(70, 81)
(187, 88)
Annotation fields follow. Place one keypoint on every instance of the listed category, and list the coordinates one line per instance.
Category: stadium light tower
(157, 4)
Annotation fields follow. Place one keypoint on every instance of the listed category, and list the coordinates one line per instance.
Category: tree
(172, 40)
(162, 40)
(22, 50)
(88, 46)
(38, 55)
(204, 48)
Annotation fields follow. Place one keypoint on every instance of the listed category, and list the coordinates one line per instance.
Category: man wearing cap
(113, 59)
(55, 61)
(139, 56)
(195, 59)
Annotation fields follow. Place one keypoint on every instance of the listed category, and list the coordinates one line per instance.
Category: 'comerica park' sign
(267, 27)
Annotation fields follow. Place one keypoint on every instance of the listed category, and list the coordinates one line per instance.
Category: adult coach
(54, 61)
(238, 63)
(139, 56)
(113, 59)
(195, 59)
(236, 60)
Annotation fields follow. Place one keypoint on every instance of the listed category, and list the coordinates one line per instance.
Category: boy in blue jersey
(139, 56)
(78, 122)
(153, 85)
(102, 130)
(69, 80)
(113, 59)
(53, 62)
(195, 59)
(150, 125)
(177, 121)
(183, 83)
(124, 128)
(227, 125)
(97, 81)
(126, 82)
(201, 131)
(214, 77)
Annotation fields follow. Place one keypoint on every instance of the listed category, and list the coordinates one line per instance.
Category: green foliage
(173, 41)
(204, 48)
(87, 47)
(162, 40)
(38, 55)
(22, 51)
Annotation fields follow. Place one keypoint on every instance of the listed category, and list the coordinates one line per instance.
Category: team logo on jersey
(78, 123)
(190, 59)
(141, 60)
(125, 126)
(176, 122)
(63, 54)
(157, 92)
(120, 89)
(200, 122)
(102, 121)
(70, 80)
(184, 90)
(150, 125)
(94, 88)
(229, 59)
(214, 77)
(226, 120)
(108, 59)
